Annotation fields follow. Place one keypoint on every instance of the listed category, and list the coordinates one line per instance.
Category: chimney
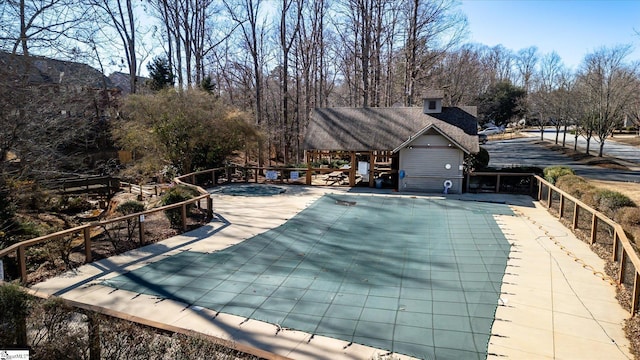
(433, 102)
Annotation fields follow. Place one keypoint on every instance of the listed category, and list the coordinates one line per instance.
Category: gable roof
(41, 70)
(365, 129)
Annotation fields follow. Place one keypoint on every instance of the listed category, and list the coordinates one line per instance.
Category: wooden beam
(352, 170)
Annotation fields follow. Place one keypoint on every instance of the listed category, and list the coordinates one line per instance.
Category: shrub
(628, 216)
(113, 231)
(15, 305)
(609, 201)
(552, 173)
(175, 195)
(130, 207)
(479, 161)
(574, 185)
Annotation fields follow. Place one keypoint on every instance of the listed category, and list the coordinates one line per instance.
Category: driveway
(525, 152)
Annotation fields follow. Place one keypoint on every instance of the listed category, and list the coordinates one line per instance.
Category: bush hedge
(173, 196)
(606, 201)
(552, 173)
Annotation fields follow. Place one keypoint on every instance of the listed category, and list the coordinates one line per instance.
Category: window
(432, 104)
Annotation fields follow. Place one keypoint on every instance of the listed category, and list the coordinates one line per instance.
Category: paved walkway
(551, 307)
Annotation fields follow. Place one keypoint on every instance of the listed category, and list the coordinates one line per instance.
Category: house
(122, 81)
(67, 88)
(427, 145)
(65, 105)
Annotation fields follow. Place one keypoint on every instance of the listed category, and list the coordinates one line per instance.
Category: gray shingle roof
(363, 129)
(42, 70)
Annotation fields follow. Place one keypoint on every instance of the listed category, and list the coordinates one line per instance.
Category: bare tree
(432, 28)
(42, 24)
(607, 87)
(120, 16)
(246, 14)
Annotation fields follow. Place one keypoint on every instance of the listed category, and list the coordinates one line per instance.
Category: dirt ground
(632, 190)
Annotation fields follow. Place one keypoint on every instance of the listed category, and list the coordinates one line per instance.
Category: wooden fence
(101, 185)
(599, 230)
(500, 182)
(84, 232)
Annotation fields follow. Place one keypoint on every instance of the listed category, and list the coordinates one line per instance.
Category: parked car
(492, 130)
(482, 138)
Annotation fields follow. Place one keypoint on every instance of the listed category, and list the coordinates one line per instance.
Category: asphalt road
(524, 152)
(611, 147)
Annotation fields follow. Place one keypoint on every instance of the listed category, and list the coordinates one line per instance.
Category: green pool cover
(413, 275)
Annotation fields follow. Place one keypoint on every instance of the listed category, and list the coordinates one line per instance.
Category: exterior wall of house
(429, 161)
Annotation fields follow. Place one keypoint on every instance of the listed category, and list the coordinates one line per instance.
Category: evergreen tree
(208, 85)
(160, 74)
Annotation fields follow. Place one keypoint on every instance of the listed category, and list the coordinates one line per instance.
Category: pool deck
(551, 306)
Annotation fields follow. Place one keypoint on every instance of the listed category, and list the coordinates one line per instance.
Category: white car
(491, 130)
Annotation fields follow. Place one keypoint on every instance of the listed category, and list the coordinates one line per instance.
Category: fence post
(94, 336)
(498, 183)
(576, 208)
(87, 245)
(621, 269)
(634, 300)
(22, 264)
(615, 244)
(561, 212)
(549, 197)
(209, 208)
(184, 217)
(539, 191)
(141, 229)
(193, 179)
(594, 228)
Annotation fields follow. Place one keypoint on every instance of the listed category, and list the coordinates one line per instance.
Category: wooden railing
(599, 230)
(500, 182)
(84, 232)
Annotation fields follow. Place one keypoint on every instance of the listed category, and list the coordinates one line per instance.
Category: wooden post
(141, 229)
(308, 177)
(22, 264)
(497, 183)
(184, 217)
(94, 335)
(87, 245)
(193, 179)
(209, 208)
(372, 167)
(352, 170)
(561, 212)
(594, 228)
(615, 245)
(635, 293)
(576, 209)
(549, 197)
(621, 269)
(539, 191)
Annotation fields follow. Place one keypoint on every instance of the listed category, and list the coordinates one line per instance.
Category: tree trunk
(601, 149)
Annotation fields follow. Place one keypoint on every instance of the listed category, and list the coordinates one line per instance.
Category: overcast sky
(573, 28)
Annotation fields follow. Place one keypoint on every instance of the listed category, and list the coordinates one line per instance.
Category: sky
(572, 28)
